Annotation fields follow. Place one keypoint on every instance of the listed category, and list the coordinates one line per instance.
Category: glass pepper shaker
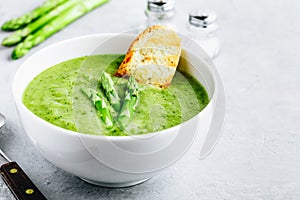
(202, 28)
(160, 12)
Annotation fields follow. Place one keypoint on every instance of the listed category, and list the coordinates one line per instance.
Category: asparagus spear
(19, 35)
(25, 19)
(100, 105)
(110, 91)
(129, 104)
(55, 25)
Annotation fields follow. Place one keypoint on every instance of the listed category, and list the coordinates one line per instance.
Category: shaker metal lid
(202, 18)
(160, 5)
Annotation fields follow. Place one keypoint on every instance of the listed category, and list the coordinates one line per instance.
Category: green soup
(55, 96)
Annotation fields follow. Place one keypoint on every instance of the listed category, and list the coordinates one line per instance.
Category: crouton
(153, 57)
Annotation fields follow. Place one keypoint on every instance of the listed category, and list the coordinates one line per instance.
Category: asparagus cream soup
(56, 96)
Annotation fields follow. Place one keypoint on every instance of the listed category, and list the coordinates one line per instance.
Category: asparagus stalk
(100, 105)
(25, 19)
(19, 35)
(129, 104)
(55, 25)
(110, 91)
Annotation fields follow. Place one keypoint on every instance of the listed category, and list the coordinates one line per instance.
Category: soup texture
(55, 96)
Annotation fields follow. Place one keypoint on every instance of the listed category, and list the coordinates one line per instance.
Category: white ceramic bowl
(111, 160)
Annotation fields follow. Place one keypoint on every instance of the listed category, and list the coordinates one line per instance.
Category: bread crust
(158, 47)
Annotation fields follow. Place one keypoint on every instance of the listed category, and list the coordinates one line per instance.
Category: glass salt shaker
(160, 12)
(202, 28)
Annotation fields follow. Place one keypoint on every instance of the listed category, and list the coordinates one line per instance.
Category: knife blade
(2, 120)
(18, 182)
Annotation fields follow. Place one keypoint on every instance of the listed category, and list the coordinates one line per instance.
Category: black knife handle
(19, 183)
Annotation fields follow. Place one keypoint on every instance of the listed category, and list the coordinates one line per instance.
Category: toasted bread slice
(153, 57)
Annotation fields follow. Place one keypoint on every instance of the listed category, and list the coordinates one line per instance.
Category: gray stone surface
(258, 154)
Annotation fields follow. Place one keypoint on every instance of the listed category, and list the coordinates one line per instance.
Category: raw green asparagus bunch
(19, 35)
(100, 105)
(129, 103)
(49, 18)
(25, 19)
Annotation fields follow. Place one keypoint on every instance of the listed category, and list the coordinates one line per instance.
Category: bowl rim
(60, 130)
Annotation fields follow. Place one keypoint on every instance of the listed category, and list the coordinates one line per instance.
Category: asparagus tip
(17, 53)
(10, 41)
(4, 27)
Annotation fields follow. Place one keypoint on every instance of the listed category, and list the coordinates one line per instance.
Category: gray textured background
(258, 154)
